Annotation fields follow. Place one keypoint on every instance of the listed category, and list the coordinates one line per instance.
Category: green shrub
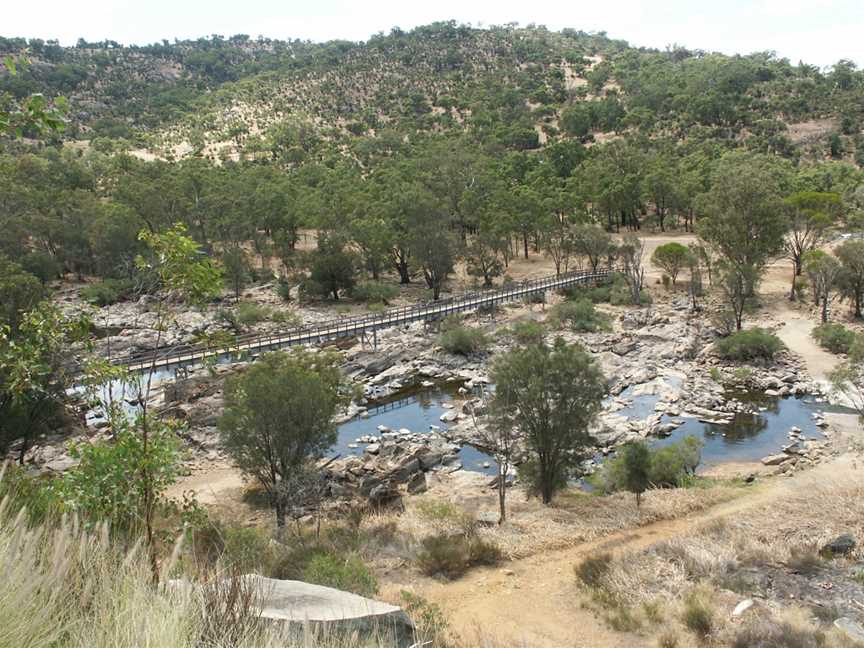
(698, 615)
(42, 265)
(463, 340)
(669, 466)
(527, 332)
(283, 289)
(836, 338)
(347, 573)
(595, 294)
(250, 313)
(752, 344)
(35, 494)
(593, 570)
(620, 295)
(430, 623)
(375, 293)
(107, 292)
(452, 555)
(579, 316)
(246, 550)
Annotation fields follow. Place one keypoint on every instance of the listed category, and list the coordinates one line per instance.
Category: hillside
(518, 87)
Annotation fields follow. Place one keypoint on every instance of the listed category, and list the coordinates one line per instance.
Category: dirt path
(795, 334)
(535, 602)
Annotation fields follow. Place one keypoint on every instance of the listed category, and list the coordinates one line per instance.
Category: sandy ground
(535, 602)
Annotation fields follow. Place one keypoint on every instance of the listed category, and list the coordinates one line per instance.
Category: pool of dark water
(749, 437)
(415, 409)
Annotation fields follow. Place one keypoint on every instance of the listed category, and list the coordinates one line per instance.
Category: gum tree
(551, 395)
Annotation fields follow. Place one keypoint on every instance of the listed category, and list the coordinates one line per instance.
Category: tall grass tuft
(70, 585)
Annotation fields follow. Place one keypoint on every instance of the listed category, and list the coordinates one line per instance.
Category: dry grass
(785, 532)
(574, 518)
(692, 573)
(64, 585)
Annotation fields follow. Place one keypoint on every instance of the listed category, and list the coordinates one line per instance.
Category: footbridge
(366, 325)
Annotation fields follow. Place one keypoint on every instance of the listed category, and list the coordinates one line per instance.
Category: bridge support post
(375, 339)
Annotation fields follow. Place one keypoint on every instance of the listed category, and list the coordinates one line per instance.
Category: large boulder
(301, 605)
(839, 546)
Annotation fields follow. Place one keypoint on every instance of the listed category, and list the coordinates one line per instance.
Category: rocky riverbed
(658, 361)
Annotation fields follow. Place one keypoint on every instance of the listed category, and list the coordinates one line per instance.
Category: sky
(819, 32)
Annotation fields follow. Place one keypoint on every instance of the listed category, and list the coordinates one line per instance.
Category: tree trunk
(794, 276)
(279, 506)
(404, 275)
(502, 494)
(525, 243)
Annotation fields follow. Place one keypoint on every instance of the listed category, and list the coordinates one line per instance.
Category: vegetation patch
(752, 344)
(463, 340)
(836, 338)
(579, 316)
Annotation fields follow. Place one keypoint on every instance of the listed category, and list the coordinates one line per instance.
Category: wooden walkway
(350, 327)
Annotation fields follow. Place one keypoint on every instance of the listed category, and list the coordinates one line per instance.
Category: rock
(850, 628)
(840, 546)
(325, 609)
(665, 430)
(775, 460)
(368, 484)
(449, 416)
(430, 459)
(383, 494)
(60, 464)
(742, 607)
(404, 469)
(373, 448)
(417, 484)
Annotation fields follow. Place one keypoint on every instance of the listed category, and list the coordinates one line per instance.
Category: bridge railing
(343, 327)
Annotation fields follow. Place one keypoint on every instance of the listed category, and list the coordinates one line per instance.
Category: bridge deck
(347, 327)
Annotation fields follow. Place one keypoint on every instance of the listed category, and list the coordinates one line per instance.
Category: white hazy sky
(819, 32)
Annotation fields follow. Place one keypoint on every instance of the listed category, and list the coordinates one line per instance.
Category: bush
(463, 340)
(528, 332)
(669, 466)
(283, 289)
(247, 314)
(107, 292)
(804, 560)
(619, 294)
(770, 633)
(752, 344)
(344, 573)
(42, 265)
(592, 571)
(595, 294)
(836, 338)
(579, 316)
(698, 615)
(452, 555)
(375, 293)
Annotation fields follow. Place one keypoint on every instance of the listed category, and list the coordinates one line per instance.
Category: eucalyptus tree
(851, 281)
(811, 214)
(744, 218)
(551, 395)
